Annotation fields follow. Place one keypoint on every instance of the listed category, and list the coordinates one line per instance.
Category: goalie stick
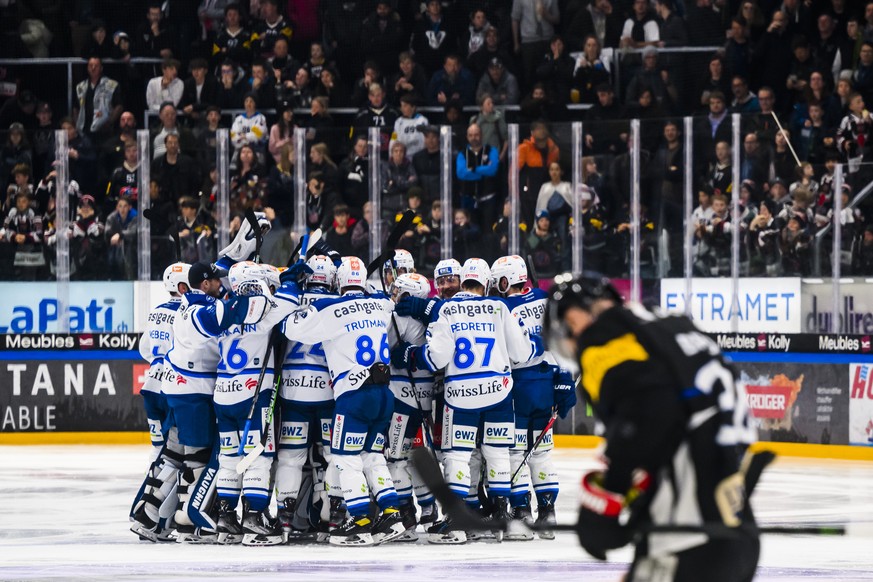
(464, 518)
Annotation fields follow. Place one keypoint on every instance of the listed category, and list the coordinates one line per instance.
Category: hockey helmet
(352, 272)
(174, 275)
(447, 268)
(476, 270)
(403, 262)
(411, 284)
(247, 278)
(568, 292)
(512, 268)
(271, 275)
(323, 271)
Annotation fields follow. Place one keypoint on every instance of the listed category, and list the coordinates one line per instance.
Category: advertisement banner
(764, 305)
(856, 306)
(71, 391)
(797, 402)
(95, 307)
(861, 404)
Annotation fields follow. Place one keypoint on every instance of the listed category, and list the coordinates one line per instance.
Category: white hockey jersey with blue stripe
(353, 331)
(305, 376)
(242, 349)
(477, 340)
(190, 365)
(411, 331)
(530, 308)
(157, 340)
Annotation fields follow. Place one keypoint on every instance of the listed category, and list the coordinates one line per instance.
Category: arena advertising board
(856, 306)
(71, 383)
(95, 307)
(860, 388)
(764, 304)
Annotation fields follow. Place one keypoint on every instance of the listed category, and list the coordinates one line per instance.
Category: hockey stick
(256, 230)
(532, 272)
(391, 243)
(261, 374)
(464, 518)
(533, 447)
(314, 237)
(278, 356)
(425, 419)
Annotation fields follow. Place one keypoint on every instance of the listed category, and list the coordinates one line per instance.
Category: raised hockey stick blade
(314, 237)
(256, 229)
(391, 243)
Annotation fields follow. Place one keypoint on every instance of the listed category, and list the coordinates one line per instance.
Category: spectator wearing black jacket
(556, 71)
(382, 36)
(199, 91)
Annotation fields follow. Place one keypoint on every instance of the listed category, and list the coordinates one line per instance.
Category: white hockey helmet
(411, 284)
(476, 270)
(403, 261)
(511, 267)
(175, 274)
(323, 271)
(351, 273)
(447, 268)
(271, 275)
(247, 277)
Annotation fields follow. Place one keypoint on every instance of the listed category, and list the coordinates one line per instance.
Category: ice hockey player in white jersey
(157, 502)
(306, 399)
(412, 399)
(538, 386)
(353, 331)
(477, 340)
(190, 367)
(244, 349)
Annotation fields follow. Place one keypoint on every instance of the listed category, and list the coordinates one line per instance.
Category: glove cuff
(596, 499)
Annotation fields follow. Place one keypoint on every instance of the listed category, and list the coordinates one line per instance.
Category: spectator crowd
(800, 74)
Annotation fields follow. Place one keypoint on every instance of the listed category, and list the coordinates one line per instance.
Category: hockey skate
(501, 514)
(144, 527)
(429, 514)
(546, 516)
(291, 534)
(407, 515)
(337, 516)
(442, 532)
(228, 529)
(389, 526)
(354, 531)
(518, 529)
(259, 529)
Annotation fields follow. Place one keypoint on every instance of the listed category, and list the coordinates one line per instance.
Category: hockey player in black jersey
(676, 429)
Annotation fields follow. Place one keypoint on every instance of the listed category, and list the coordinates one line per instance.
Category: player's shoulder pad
(170, 305)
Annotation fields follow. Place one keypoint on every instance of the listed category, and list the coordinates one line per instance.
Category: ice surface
(63, 515)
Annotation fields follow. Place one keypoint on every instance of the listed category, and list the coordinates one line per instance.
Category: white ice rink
(63, 516)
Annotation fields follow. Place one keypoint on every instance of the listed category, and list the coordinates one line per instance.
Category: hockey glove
(565, 392)
(248, 309)
(598, 527)
(243, 245)
(293, 273)
(403, 356)
(322, 248)
(424, 310)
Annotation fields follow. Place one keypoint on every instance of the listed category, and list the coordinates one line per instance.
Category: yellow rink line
(562, 441)
(812, 451)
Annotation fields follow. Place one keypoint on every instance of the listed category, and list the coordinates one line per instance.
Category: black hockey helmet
(569, 291)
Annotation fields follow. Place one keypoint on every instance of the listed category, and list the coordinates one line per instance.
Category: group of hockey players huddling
(358, 367)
